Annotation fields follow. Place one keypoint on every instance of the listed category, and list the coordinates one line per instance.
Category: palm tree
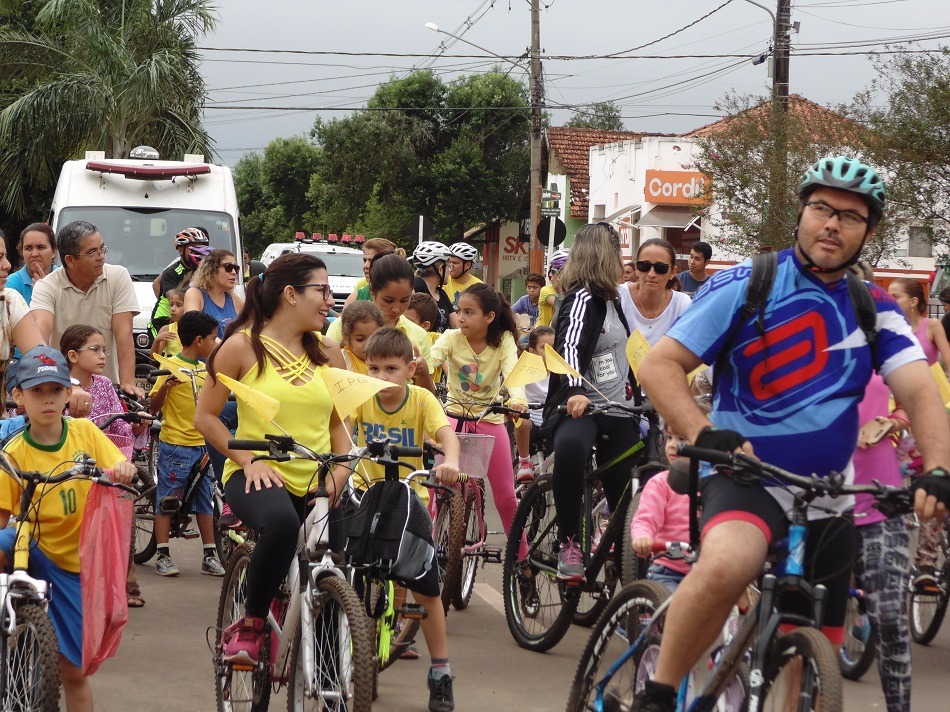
(100, 75)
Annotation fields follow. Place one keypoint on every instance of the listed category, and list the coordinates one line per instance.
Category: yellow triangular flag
(941, 378)
(170, 364)
(260, 403)
(349, 390)
(529, 369)
(637, 348)
(557, 364)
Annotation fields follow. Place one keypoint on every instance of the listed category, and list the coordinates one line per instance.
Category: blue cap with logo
(42, 364)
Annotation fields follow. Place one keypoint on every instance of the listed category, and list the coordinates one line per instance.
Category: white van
(344, 264)
(140, 205)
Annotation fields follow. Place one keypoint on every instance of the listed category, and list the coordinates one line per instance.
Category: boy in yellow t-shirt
(406, 414)
(50, 444)
(181, 447)
(458, 267)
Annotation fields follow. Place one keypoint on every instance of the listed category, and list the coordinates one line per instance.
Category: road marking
(490, 596)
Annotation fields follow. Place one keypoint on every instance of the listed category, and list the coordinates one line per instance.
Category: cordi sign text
(675, 187)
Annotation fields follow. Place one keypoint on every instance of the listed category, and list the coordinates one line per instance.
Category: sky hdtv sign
(675, 187)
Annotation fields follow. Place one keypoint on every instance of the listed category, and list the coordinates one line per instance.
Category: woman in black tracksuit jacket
(591, 335)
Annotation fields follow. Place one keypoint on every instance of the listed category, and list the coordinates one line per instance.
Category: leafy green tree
(98, 74)
(457, 153)
(603, 115)
(736, 155)
(272, 191)
(907, 109)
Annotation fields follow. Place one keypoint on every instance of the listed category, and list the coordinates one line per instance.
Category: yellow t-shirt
(475, 379)
(417, 335)
(454, 289)
(437, 373)
(178, 412)
(61, 507)
(419, 415)
(361, 287)
(354, 363)
(172, 346)
(305, 412)
(545, 310)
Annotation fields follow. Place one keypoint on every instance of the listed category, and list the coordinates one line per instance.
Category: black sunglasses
(659, 267)
(230, 267)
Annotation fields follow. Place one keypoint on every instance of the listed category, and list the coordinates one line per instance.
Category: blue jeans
(668, 577)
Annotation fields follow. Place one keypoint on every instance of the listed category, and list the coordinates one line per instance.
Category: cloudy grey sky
(654, 94)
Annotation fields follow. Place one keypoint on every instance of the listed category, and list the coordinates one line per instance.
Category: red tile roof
(571, 148)
(808, 111)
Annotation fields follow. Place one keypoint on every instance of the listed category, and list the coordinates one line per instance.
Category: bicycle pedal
(492, 555)
(414, 612)
(190, 534)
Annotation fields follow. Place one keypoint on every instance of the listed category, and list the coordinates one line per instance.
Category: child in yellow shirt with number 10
(50, 440)
(406, 414)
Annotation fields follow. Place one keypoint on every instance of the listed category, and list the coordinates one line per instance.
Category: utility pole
(535, 253)
(775, 228)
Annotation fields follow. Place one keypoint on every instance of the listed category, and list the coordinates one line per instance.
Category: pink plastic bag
(104, 563)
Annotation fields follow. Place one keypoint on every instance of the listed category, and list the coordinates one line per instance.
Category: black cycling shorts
(830, 547)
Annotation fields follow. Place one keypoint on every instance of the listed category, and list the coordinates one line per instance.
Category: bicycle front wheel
(239, 690)
(927, 608)
(31, 662)
(802, 674)
(627, 614)
(857, 651)
(143, 511)
(472, 534)
(449, 542)
(342, 652)
(538, 608)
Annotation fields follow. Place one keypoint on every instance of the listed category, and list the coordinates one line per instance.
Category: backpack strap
(863, 304)
(764, 266)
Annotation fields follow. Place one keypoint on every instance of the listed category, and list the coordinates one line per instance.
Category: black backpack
(764, 265)
(390, 536)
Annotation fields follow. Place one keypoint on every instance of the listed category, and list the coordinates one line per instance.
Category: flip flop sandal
(134, 594)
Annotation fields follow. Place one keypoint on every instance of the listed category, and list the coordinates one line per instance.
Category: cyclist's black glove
(935, 482)
(722, 440)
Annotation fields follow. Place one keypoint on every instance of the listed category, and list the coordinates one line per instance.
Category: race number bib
(604, 368)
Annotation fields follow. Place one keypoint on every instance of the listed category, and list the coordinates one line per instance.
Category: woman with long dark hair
(274, 348)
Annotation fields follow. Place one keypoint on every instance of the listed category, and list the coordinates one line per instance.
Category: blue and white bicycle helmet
(846, 173)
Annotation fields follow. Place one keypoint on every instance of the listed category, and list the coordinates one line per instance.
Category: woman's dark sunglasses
(645, 266)
(230, 267)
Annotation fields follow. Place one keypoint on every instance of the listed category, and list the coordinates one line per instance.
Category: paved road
(164, 663)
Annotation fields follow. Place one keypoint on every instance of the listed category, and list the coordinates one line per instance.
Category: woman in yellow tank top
(273, 347)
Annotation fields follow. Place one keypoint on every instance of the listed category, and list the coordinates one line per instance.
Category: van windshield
(342, 265)
(143, 239)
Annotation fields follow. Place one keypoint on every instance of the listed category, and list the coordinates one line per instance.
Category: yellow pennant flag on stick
(941, 378)
(260, 403)
(349, 390)
(170, 364)
(637, 347)
(557, 364)
(529, 369)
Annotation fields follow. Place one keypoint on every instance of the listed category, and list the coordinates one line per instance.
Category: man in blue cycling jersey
(789, 396)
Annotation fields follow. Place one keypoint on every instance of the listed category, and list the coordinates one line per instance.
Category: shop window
(682, 239)
(919, 244)
(600, 211)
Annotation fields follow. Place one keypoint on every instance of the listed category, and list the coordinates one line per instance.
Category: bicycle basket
(125, 444)
(474, 455)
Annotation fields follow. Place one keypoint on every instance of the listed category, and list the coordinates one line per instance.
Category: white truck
(344, 263)
(140, 204)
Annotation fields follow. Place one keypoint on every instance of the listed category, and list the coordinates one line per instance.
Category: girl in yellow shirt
(358, 322)
(476, 357)
(273, 347)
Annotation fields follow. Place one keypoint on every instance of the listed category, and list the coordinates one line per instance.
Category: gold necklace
(643, 309)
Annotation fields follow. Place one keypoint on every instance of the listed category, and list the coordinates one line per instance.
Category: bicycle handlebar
(740, 466)
(595, 408)
(263, 445)
(130, 417)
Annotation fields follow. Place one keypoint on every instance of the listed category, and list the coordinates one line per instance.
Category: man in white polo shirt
(89, 291)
